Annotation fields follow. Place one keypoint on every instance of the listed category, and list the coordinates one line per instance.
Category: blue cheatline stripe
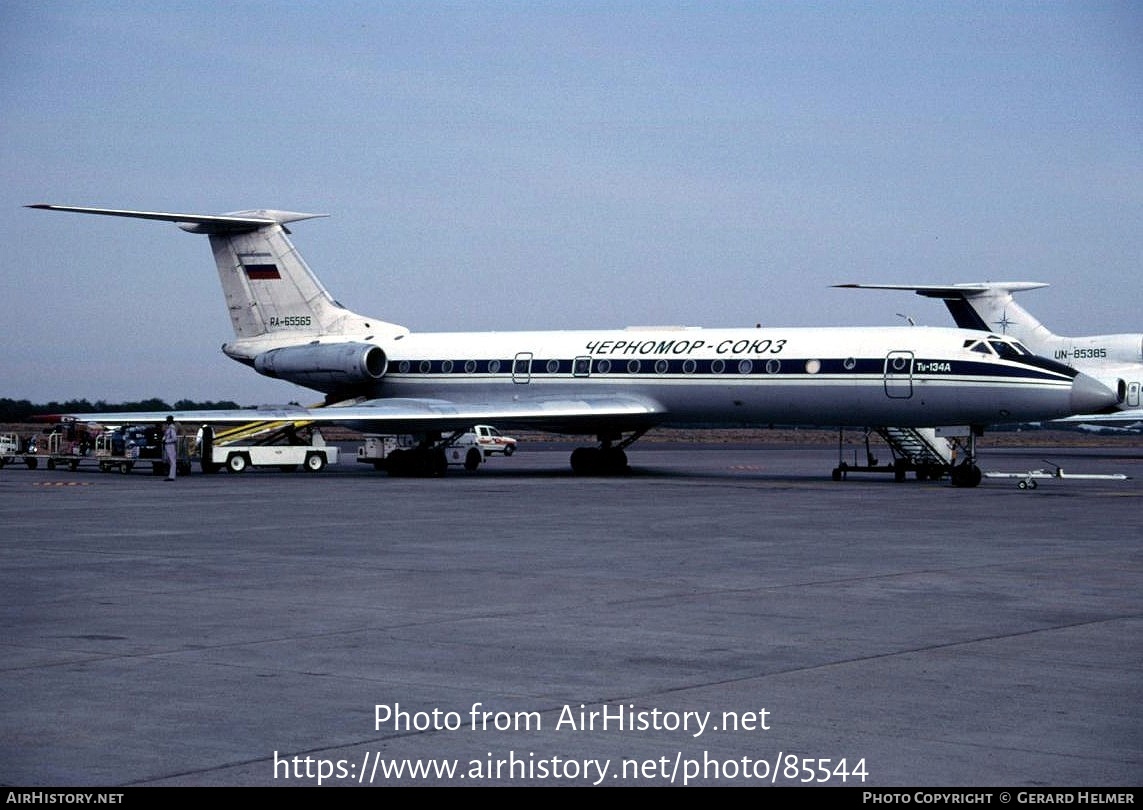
(737, 368)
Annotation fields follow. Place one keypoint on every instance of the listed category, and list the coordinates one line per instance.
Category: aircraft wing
(586, 414)
(1121, 420)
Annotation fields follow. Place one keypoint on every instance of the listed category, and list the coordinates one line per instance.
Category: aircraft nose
(1089, 395)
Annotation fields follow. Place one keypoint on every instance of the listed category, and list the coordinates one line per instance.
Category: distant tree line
(21, 410)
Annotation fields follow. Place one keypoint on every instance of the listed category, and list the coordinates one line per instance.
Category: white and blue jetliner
(615, 385)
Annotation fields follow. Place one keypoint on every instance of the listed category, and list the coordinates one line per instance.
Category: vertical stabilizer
(269, 288)
(993, 309)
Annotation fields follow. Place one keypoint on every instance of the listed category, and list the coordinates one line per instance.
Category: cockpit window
(1009, 351)
(978, 346)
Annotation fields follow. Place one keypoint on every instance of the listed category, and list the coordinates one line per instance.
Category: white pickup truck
(490, 440)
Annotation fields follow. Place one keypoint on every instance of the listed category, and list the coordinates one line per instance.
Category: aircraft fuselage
(850, 376)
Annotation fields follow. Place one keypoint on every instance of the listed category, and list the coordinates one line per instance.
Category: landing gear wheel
(966, 475)
(614, 461)
(585, 460)
(398, 463)
(598, 461)
(419, 461)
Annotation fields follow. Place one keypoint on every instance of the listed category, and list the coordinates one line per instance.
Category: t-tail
(987, 306)
(274, 300)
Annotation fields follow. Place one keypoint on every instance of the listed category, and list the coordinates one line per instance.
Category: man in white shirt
(170, 447)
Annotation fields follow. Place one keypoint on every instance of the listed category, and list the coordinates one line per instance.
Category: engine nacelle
(324, 366)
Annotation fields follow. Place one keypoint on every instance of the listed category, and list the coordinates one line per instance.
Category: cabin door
(522, 368)
(899, 375)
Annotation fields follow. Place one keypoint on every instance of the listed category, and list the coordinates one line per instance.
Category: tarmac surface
(272, 628)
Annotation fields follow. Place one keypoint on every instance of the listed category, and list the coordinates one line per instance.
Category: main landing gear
(417, 462)
(426, 460)
(607, 459)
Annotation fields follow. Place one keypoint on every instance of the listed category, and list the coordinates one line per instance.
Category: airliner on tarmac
(382, 378)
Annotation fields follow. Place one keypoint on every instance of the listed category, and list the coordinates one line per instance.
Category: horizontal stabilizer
(967, 290)
(236, 222)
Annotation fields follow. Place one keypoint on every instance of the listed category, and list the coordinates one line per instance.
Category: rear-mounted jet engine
(324, 365)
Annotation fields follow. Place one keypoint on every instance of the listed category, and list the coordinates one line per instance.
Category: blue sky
(556, 165)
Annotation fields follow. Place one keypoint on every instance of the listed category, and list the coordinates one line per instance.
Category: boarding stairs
(920, 447)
